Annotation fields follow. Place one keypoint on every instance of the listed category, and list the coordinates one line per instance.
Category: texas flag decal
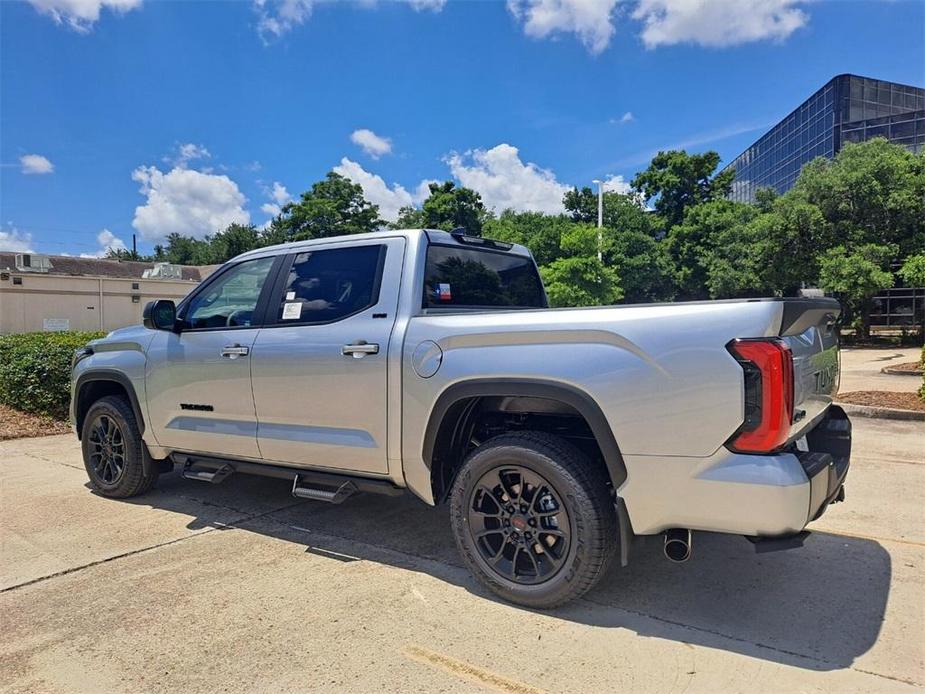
(444, 293)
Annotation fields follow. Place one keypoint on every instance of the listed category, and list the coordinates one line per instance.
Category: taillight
(768, 367)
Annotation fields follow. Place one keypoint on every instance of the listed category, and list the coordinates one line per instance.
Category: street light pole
(600, 219)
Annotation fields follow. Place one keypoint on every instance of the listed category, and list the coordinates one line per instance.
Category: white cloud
(107, 241)
(590, 20)
(187, 202)
(627, 117)
(15, 241)
(279, 195)
(616, 184)
(371, 143)
(188, 152)
(81, 15)
(421, 5)
(36, 164)
(504, 181)
(389, 199)
(278, 17)
(717, 23)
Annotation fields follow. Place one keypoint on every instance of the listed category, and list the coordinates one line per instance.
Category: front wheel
(533, 519)
(112, 450)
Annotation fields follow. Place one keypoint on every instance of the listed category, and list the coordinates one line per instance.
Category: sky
(146, 117)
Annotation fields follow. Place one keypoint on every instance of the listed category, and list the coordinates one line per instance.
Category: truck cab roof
(433, 236)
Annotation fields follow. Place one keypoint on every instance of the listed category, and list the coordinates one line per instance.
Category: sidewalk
(860, 369)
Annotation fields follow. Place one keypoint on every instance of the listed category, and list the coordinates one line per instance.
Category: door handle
(235, 351)
(359, 349)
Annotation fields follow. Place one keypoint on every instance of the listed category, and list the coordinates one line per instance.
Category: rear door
(319, 366)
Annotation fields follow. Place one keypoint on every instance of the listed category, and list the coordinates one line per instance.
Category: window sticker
(292, 311)
(443, 292)
(290, 296)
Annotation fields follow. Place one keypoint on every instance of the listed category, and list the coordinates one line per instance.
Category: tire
(113, 451)
(518, 556)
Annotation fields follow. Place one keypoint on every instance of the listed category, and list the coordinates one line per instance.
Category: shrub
(35, 370)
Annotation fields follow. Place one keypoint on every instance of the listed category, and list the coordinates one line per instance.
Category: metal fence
(899, 308)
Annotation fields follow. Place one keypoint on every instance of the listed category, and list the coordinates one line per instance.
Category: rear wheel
(533, 519)
(113, 450)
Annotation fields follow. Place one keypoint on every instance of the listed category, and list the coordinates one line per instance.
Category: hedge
(35, 370)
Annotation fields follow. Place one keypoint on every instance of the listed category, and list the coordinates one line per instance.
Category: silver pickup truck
(429, 362)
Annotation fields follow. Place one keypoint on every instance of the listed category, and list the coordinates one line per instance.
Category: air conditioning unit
(164, 271)
(33, 262)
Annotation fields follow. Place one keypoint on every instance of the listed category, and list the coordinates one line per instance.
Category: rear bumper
(827, 461)
(754, 495)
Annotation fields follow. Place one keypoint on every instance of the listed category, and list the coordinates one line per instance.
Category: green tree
(580, 281)
(773, 253)
(621, 212)
(913, 270)
(678, 180)
(643, 265)
(855, 276)
(236, 239)
(185, 250)
(409, 218)
(692, 247)
(872, 193)
(449, 207)
(334, 206)
(125, 254)
(764, 199)
(541, 233)
(577, 277)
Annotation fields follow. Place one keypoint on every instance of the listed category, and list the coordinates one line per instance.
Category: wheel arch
(455, 407)
(97, 383)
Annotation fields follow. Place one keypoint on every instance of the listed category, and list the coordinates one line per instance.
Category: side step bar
(343, 492)
(211, 475)
(306, 484)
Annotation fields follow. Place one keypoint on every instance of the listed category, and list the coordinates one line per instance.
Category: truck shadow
(819, 607)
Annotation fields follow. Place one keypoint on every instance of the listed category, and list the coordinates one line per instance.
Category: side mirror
(160, 315)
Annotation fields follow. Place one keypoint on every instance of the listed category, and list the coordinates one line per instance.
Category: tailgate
(810, 329)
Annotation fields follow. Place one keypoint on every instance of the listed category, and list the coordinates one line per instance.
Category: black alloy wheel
(107, 449)
(114, 454)
(534, 518)
(519, 525)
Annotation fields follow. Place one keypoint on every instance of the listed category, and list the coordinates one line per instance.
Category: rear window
(469, 277)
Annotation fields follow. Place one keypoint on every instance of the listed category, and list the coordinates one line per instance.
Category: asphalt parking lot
(240, 587)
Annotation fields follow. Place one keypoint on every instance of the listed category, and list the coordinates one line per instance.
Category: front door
(320, 370)
(198, 381)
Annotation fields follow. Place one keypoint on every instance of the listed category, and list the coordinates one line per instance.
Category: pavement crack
(75, 569)
(904, 680)
(50, 460)
(233, 525)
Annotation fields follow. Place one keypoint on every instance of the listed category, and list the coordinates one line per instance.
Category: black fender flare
(113, 376)
(579, 400)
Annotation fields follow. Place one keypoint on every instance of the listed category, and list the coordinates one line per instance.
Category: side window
(328, 285)
(231, 300)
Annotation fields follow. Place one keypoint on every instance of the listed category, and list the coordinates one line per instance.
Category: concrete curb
(892, 371)
(881, 412)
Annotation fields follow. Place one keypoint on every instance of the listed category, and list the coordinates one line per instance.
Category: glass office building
(847, 109)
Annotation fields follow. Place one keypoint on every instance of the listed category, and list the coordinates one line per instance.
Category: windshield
(457, 277)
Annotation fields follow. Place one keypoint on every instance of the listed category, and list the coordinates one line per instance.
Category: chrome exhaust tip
(678, 544)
